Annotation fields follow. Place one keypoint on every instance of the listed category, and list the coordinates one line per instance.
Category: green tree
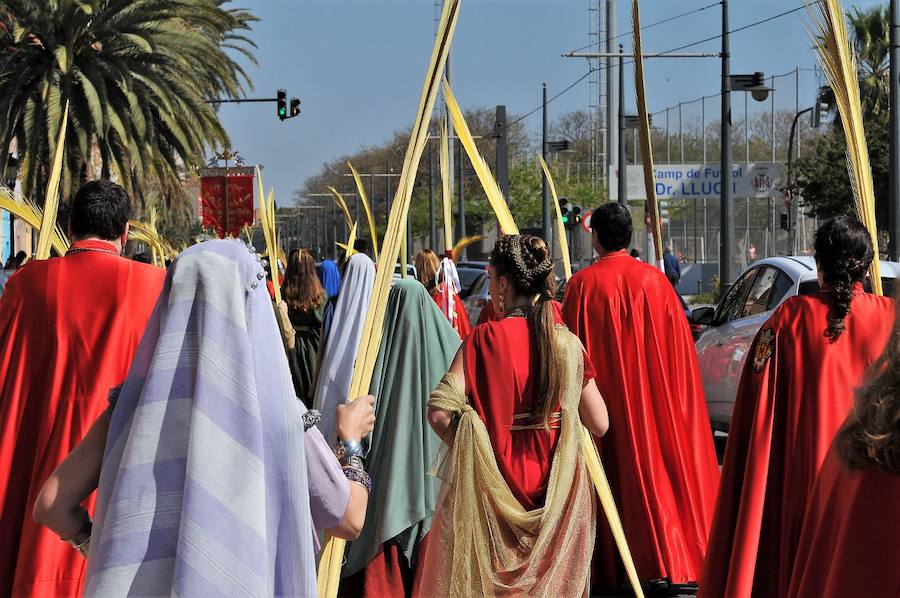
(137, 75)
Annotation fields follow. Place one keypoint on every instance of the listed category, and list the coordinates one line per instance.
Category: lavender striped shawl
(203, 489)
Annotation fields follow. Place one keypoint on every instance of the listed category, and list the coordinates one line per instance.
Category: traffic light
(282, 104)
(564, 209)
(575, 218)
(295, 107)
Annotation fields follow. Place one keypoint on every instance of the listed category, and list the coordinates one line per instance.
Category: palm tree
(870, 31)
(136, 75)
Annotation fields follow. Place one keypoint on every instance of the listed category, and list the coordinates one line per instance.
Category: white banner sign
(676, 181)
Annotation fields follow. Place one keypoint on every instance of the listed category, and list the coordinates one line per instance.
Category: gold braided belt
(554, 422)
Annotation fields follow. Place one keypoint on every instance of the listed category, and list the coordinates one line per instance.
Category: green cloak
(416, 351)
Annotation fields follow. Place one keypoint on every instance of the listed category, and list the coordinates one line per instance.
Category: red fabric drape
(499, 361)
(796, 390)
(850, 543)
(460, 322)
(68, 330)
(239, 195)
(659, 452)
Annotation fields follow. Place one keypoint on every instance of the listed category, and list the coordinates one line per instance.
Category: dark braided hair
(525, 261)
(843, 255)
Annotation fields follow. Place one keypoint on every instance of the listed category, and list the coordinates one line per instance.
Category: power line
(651, 25)
(738, 29)
(683, 47)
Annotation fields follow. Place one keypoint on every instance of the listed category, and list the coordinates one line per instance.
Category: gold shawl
(482, 541)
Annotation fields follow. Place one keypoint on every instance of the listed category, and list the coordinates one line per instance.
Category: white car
(734, 322)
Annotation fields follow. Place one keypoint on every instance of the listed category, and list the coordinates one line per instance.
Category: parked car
(479, 296)
(469, 272)
(410, 271)
(734, 322)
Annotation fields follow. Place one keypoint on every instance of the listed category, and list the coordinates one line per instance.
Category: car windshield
(812, 286)
(468, 275)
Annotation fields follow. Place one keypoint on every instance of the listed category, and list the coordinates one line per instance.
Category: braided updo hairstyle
(843, 255)
(525, 261)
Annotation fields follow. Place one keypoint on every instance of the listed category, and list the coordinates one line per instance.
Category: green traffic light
(565, 219)
(282, 112)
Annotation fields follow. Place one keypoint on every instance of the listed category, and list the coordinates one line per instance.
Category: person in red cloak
(427, 265)
(796, 389)
(69, 327)
(850, 541)
(659, 453)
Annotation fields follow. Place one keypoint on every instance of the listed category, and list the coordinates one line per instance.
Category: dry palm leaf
(491, 189)
(839, 63)
(364, 199)
(351, 243)
(446, 195)
(51, 199)
(31, 214)
(644, 135)
(333, 551)
(339, 199)
(457, 250)
(560, 227)
(267, 222)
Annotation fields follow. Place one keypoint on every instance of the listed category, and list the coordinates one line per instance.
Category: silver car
(734, 322)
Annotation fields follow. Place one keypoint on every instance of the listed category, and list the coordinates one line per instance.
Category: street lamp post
(545, 192)
(726, 208)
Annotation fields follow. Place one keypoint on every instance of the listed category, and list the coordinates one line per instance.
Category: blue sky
(358, 67)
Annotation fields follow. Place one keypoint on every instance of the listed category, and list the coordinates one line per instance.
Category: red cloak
(68, 329)
(489, 314)
(499, 360)
(460, 321)
(658, 453)
(795, 392)
(850, 543)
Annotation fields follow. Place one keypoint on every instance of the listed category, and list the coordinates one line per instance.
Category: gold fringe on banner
(51, 198)
(644, 136)
(832, 44)
(333, 550)
(364, 199)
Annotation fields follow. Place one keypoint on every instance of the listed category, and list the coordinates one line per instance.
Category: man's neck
(115, 242)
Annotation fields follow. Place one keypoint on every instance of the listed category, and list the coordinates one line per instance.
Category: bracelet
(310, 418)
(360, 477)
(82, 540)
(347, 449)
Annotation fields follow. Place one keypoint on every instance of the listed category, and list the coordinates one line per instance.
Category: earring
(500, 302)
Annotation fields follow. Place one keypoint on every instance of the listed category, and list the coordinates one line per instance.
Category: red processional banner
(226, 200)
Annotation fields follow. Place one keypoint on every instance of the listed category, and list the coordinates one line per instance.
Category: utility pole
(623, 168)
(894, 195)
(613, 90)
(432, 233)
(461, 217)
(502, 151)
(545, 192)
(726, 206)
